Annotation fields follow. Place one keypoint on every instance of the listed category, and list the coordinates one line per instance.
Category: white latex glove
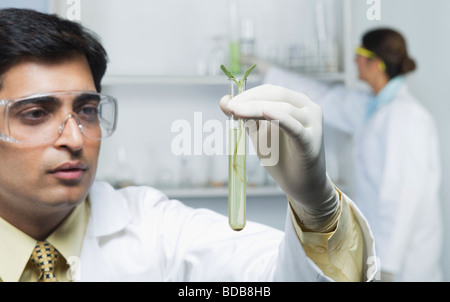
(301, 170)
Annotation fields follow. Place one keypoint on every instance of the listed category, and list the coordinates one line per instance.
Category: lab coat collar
(386, 95)
(109, 213)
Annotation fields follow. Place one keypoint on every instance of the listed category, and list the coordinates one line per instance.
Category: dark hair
(390, 46)
(28, 34)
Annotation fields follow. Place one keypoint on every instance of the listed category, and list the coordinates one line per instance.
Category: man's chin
(68, 195)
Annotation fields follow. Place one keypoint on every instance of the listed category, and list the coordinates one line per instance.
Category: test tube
(236, 165)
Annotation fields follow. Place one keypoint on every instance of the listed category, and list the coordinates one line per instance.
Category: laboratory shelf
(113, 80)
(181, 193)
(168, 80)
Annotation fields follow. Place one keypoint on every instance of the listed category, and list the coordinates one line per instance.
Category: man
(53, 214)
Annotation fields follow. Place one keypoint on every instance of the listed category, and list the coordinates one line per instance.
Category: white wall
(425, 25)
(170, 36)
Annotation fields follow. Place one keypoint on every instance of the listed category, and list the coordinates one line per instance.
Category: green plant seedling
(239, 81)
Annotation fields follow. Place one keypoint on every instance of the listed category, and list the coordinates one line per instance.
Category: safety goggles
(41, 118)
(363, 52)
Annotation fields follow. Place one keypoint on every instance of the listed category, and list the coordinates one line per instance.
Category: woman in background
(396, 157)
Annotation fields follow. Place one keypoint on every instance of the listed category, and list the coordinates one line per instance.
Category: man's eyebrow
(52, 100)
(87, 97)
(38, 99)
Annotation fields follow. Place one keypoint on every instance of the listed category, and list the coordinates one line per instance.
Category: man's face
(54, 175)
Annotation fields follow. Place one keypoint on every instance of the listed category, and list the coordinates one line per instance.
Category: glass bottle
(217, 56)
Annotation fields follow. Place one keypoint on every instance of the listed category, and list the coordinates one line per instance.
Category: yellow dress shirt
(339, 254)
(15, 264)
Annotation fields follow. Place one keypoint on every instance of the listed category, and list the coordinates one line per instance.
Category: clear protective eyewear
(363, 52)
(41, 118)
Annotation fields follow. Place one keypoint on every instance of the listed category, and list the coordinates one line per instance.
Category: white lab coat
(137, 234)
(397, 172)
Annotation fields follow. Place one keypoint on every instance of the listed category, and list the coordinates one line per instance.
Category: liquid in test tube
(237, 166)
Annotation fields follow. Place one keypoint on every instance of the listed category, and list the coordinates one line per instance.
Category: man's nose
(70, 135)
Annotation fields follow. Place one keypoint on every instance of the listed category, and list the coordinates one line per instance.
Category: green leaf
(247, 73)
(228, 73)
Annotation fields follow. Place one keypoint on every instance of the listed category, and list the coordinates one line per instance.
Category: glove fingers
(288, 123)
(273, 94)
(224, 103)
(259, 110)
(294, 111)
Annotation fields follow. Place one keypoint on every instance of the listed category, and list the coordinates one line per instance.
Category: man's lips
(69, 171)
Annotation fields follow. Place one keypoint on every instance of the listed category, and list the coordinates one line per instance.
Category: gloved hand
(301, 170)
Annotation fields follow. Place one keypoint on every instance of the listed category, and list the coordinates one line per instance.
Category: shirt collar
(106, 203)
(386, 95)
(73, 227)
(16, 247)
(15, 251)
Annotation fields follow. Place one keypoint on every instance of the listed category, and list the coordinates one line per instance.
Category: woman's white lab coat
(137, 234)
(397, 172)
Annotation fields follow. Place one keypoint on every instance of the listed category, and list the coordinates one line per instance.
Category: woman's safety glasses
(41, 118)
(363, 52)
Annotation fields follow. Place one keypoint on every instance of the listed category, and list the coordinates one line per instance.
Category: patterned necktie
(44, 257)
